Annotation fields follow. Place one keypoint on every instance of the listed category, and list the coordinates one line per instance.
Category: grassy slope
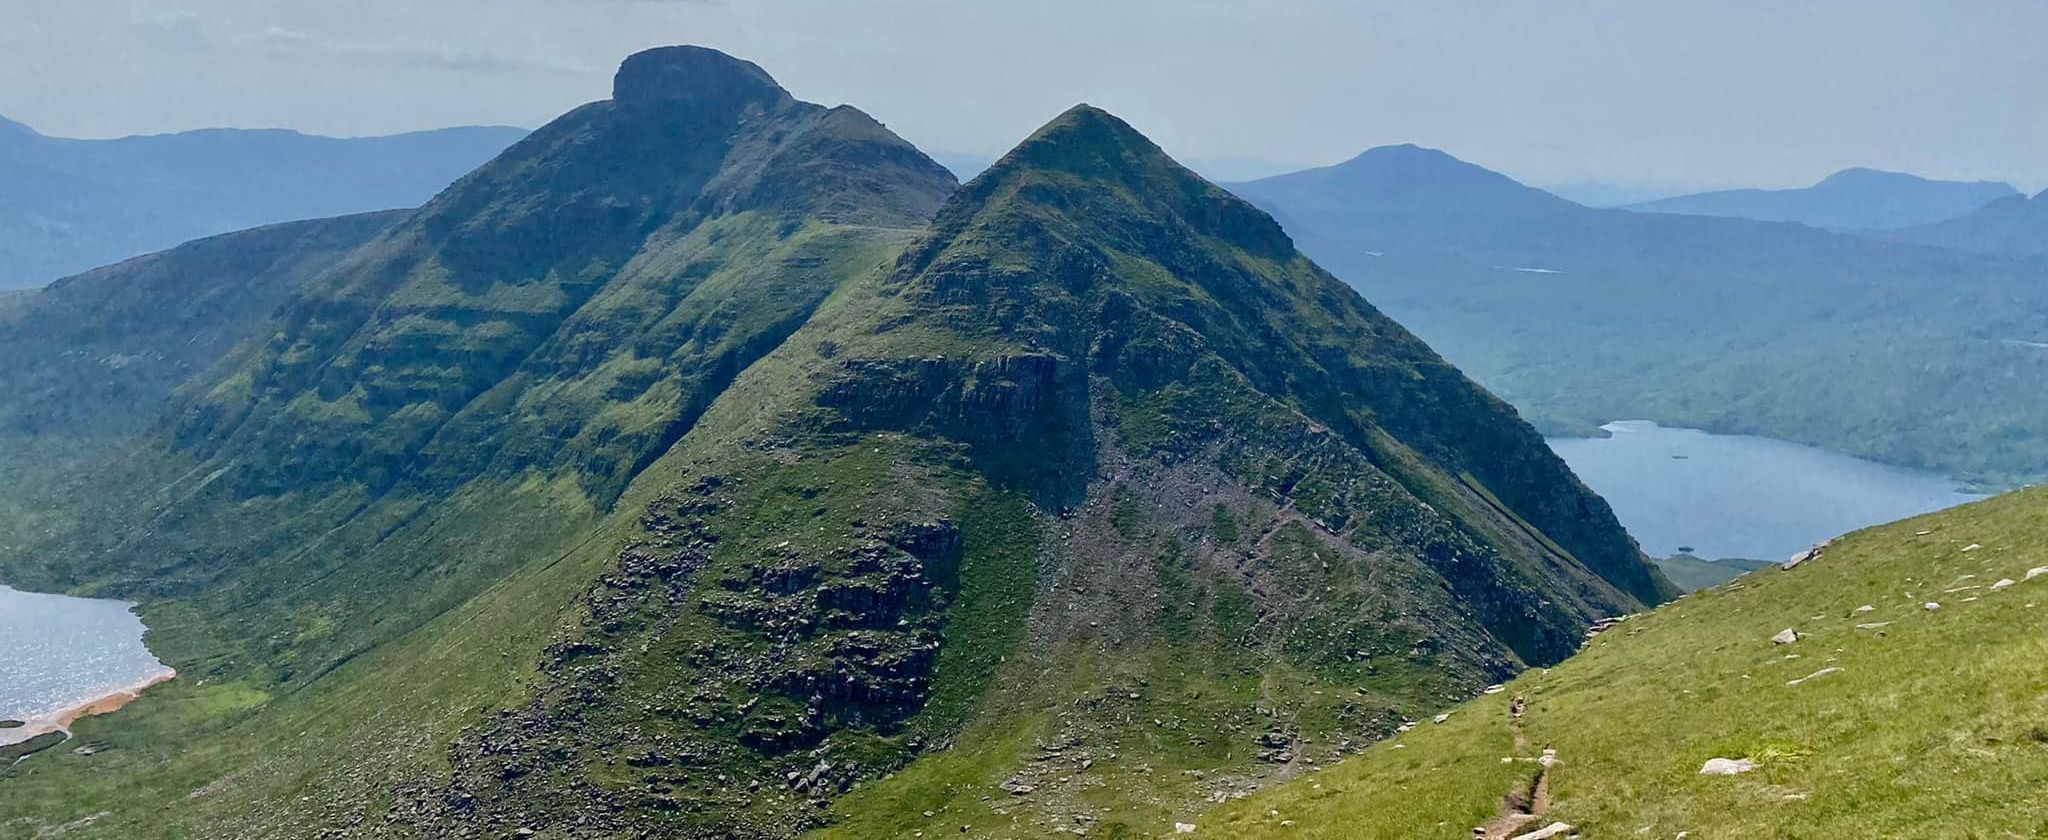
(1935, 727)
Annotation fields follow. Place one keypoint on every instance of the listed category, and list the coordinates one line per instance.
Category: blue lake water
(1743, 496)
(57, 652)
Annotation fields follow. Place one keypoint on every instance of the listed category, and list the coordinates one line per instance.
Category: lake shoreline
(104, 704)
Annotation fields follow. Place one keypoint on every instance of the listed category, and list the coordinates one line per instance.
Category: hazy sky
(1713, 92)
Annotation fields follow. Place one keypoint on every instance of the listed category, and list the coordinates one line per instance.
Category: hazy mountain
(1852, 199)
(1606, 194)
(662, 478)
(2014, 225)
(71, 205)
(1912, 355)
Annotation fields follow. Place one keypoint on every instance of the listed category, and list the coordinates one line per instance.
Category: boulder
(1726, 766)
(1785, 637)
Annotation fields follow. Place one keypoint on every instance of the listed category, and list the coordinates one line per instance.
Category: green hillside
(1886, 718)
(670, 476)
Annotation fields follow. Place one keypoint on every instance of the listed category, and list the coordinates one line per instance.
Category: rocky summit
(710, 465)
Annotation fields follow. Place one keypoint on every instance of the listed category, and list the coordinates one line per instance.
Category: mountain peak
(10, 128)
(1084, 140)
(693, 75)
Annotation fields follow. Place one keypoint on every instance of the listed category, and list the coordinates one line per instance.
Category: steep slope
(95, 355)
(75, 204)
(1100, 448)
(1849, 200)
(1888, 717)
(352, 524)
(90, 361)
(1915, 356)
(2014, 226)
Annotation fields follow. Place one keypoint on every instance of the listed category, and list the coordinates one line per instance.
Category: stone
(1726, 766)
(1183, 828)
(1972, 547)
(1866, 608)
(1931, 605)
(1785, 637)
(2002, 583)
(1443, 717)
(2035, 572)
(1556, 829)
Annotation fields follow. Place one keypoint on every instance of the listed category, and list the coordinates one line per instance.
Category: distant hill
(1907, 354)
(2014, 225)
(1908, 704)
(71, 205)
(1852, 199)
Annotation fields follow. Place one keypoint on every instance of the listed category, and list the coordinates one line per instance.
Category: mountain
(966, 165)
(2015, 225)
(709, 464)
(1852, 199)
(75, 204)
(1908, 706)
(1911, 355)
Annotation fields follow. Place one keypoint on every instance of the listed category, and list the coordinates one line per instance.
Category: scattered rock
(1443, 717)
(2035, 572)
(1873, 625)
(1183, 828)
(1556, 829)
(1931, 605)
(1814, 676)
(1866, 608)
(1972, 547)
(1726, 766)
(1496, 688)
(1801, 557)
(2002, 583)
(1785, 637)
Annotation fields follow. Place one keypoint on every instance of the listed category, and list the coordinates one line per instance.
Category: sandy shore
(61, 720)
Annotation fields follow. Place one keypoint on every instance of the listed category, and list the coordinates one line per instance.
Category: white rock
(1443, 717)
(1785, 637)
(1972, 547)
(1873, 625)
(1866, 608)
(1931, 605)
(1183, 828)
(1556, 829)
(1495, 689)
(1726, 766)
(2035, 572)
(2002, 583)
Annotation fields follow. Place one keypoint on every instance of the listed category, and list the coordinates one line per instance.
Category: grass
(1933, 727)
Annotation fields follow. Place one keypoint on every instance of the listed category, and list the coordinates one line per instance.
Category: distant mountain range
(2014, 225)
(1913, 355)
(1852, 199)
(69, 205)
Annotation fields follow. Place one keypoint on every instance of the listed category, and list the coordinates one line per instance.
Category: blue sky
(1731, 92)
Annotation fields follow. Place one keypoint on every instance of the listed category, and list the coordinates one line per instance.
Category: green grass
(1936, 726)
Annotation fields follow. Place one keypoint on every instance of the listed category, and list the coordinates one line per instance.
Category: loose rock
(1726, 766)
(1785, 637)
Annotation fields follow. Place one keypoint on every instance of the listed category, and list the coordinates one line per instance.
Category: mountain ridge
(1853, 199)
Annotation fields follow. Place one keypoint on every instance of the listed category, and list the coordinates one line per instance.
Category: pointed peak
(690, 75)
(1083, 139)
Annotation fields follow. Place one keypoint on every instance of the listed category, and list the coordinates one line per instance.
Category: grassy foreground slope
(1932, 723)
